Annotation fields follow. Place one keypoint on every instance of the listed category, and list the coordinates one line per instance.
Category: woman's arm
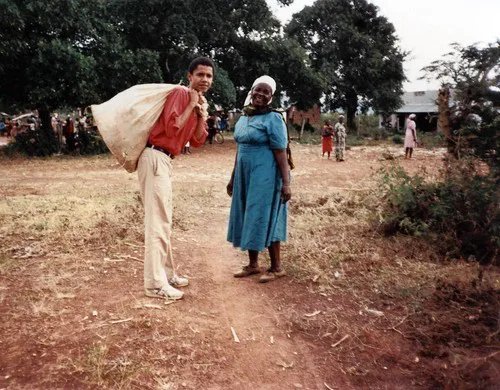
(229, 187)
(414, 131)
(280, 156)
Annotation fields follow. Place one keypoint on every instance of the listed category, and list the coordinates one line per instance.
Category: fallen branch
(340, 341)
(132, 258)
(315, 313)
(235, 336)
(120, 321)
(135, 246)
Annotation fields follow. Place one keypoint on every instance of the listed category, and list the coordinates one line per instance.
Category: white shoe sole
(169, 297)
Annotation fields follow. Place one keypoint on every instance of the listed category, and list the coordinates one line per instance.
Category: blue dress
(258, 217)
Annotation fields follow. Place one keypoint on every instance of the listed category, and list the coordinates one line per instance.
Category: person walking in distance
(410, 136)
(340, 135)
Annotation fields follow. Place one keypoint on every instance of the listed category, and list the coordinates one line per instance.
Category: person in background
(211, 128)
(340, 136)
(260, 182)
(3, 128)
(410, 136)
(69, 134)
(327, 139)
(187, 148)
(223, 123)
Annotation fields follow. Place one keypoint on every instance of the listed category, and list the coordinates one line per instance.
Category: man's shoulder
(180, 89)
(178, 92)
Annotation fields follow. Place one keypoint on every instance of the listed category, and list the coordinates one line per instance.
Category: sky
(426, 28)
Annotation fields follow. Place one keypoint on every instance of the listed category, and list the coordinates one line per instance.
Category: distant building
(311, 116)
(422, 104)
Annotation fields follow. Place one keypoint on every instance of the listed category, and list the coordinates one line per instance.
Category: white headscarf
(411, 116)
(261, 80)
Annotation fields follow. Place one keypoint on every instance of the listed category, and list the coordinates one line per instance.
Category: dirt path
(269, 355)
(73, 310)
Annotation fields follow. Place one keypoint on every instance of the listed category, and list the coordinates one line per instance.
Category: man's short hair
(201, 61)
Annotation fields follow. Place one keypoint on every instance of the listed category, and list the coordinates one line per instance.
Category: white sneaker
(179, 281)
(166, 292)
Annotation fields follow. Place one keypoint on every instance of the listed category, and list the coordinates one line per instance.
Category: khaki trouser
(154, 170)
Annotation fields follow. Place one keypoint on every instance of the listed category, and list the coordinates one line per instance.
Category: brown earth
(73, 314)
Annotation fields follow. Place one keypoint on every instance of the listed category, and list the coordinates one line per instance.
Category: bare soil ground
(357, 311)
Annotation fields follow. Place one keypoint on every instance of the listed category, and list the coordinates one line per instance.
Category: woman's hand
(286, 193)
(229, 188)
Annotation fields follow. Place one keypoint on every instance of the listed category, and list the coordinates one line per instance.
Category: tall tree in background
(473, 74)
(242, 36)
(77, 52)
(64, 53)
(356, 51)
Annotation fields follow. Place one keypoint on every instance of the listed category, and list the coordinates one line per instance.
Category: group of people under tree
(330, 133)
(259, 183)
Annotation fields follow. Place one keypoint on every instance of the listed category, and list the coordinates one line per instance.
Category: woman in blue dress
(260, 182)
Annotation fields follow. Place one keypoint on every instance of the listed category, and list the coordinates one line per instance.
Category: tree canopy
(77, 52)
(473, 74)
(356, 50)
(65, 53)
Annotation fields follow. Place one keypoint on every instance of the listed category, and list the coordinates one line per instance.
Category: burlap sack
(125, 120)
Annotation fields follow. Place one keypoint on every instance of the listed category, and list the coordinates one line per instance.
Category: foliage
(461, 211)
(356, 50)
(397, 139)
(35, 143)
(65, 53)
(90, 142)
(473, 73)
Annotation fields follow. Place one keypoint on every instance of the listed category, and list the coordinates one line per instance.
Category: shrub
(90, 142)
(462, 211)
(39, 142)
(397, 139)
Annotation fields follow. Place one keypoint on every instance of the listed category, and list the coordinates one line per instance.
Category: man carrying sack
(145, 127)
(182, 120)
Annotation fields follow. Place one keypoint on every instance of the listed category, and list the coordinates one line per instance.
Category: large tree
(64, 53)
(472, 122)
(356, 50)
(242, 36)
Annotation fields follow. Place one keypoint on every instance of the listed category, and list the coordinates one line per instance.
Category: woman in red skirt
(327, 138)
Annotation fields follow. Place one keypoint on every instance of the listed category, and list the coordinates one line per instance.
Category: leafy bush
(38, 142)
(397, 139)
(91, 142)
(462, 211)
(307, 128)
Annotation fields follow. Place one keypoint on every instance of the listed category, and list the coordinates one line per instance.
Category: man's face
(201, 79)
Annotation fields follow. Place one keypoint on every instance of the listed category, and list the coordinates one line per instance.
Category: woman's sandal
(247, 271)
(269, 276)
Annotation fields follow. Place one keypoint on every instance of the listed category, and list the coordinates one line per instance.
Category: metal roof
(419, 101)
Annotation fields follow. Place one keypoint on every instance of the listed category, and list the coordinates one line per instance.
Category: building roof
(419, 101)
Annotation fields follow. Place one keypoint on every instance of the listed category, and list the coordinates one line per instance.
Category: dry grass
(61, 243)
(376, 284)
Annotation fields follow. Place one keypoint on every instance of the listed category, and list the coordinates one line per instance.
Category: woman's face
(261, 95)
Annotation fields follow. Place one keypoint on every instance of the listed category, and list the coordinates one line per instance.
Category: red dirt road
(74, 315)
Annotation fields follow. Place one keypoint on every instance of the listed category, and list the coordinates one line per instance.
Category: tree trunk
(351, 108)
(165, 68)
(302, 128)
(444, 118)
(47, 143)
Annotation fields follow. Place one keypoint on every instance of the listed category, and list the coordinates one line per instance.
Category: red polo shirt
(166, 134)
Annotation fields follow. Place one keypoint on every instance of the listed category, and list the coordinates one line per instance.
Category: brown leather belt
(161, 150)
